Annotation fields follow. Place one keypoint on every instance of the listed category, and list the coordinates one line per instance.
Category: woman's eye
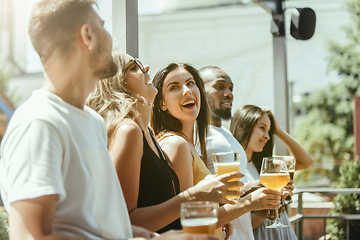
(173, 87)
(134, 68)
(190, 83)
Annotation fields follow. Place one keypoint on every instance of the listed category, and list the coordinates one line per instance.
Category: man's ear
(87, 36)
(162, 105)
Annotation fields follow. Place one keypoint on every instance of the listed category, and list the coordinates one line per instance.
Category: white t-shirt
(52, 147)
(221, 140)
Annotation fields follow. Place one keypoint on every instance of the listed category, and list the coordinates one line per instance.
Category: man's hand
(228, 229)
(143, 233)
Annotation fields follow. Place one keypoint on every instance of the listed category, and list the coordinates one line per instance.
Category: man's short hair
(205, 69)
(53, 24)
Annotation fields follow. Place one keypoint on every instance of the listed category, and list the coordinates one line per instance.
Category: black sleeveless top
(158, 181)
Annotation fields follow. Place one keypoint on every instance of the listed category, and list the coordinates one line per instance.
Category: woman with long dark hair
(180, 118)
(255, 128)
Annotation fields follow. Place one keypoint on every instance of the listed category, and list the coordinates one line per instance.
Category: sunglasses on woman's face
(137, 63)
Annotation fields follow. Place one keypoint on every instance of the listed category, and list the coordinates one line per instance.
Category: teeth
(188, 102)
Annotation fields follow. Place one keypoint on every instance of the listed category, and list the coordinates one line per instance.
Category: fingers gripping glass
(226, 162)
(136, 62)
(274, 175)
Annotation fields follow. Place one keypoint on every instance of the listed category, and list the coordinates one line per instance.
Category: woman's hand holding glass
(274, 175)
(217, 188)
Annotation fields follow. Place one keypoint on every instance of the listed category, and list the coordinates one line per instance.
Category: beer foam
(195, 222)
(275, 174)
(227, 164)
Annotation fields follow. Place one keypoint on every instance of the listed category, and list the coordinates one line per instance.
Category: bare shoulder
(129, 128)
(127, 132)
(174, 141)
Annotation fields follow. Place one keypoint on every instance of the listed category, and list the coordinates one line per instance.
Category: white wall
(237, 38)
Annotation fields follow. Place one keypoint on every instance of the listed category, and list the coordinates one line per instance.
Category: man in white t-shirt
(57, 180)
(219, 93)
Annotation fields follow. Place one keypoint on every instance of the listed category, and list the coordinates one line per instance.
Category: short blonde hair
(53, 24)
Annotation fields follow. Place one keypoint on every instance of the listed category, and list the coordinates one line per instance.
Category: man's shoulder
(216, 132)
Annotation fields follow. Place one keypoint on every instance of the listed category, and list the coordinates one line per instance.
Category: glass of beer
(226, 162)
(274, 175)
(290, 163)
(199, 217)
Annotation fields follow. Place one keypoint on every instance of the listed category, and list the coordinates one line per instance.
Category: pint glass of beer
(199, 217)
(226, 162)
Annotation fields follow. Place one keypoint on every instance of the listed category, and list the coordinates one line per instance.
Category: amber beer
(199, 217)
(227, 162)
(274, 181)
(199, 225)
(222, 168)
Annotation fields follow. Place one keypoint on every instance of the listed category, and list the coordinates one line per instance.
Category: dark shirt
(158, 181)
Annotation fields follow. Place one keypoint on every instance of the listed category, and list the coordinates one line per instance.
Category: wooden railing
(300, 216)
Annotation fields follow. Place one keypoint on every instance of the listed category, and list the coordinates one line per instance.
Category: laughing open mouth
(188, 104)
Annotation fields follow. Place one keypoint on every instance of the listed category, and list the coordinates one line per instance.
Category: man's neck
(69, 80)
(215, 121)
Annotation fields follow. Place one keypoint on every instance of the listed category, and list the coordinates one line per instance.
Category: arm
(259, 199)
(303, 159)
(181, 159)
(126, 152)
(32, 219)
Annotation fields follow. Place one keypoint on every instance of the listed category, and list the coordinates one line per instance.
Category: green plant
(4, 228)
(346, 203)
(11, 94)
(326, 128)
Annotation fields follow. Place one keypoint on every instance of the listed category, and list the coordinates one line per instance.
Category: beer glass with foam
(226, 162)
(199, 217)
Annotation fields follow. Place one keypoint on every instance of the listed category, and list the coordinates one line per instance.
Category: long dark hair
(242, 126)
(163, 121)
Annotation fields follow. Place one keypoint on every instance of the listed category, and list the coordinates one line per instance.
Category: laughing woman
(180, 111)
(149, 183)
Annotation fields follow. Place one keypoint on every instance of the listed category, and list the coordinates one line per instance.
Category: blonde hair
(112, 100)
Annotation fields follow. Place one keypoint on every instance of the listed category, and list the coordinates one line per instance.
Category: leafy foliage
(326, 130)
(4, 228)
(5, 76)
(346, 203)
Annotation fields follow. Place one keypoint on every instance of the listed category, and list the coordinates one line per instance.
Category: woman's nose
(266, 135)
(186, 90)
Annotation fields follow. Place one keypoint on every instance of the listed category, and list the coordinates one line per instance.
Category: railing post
(300, 211)
(347, 229)
(324, 228)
